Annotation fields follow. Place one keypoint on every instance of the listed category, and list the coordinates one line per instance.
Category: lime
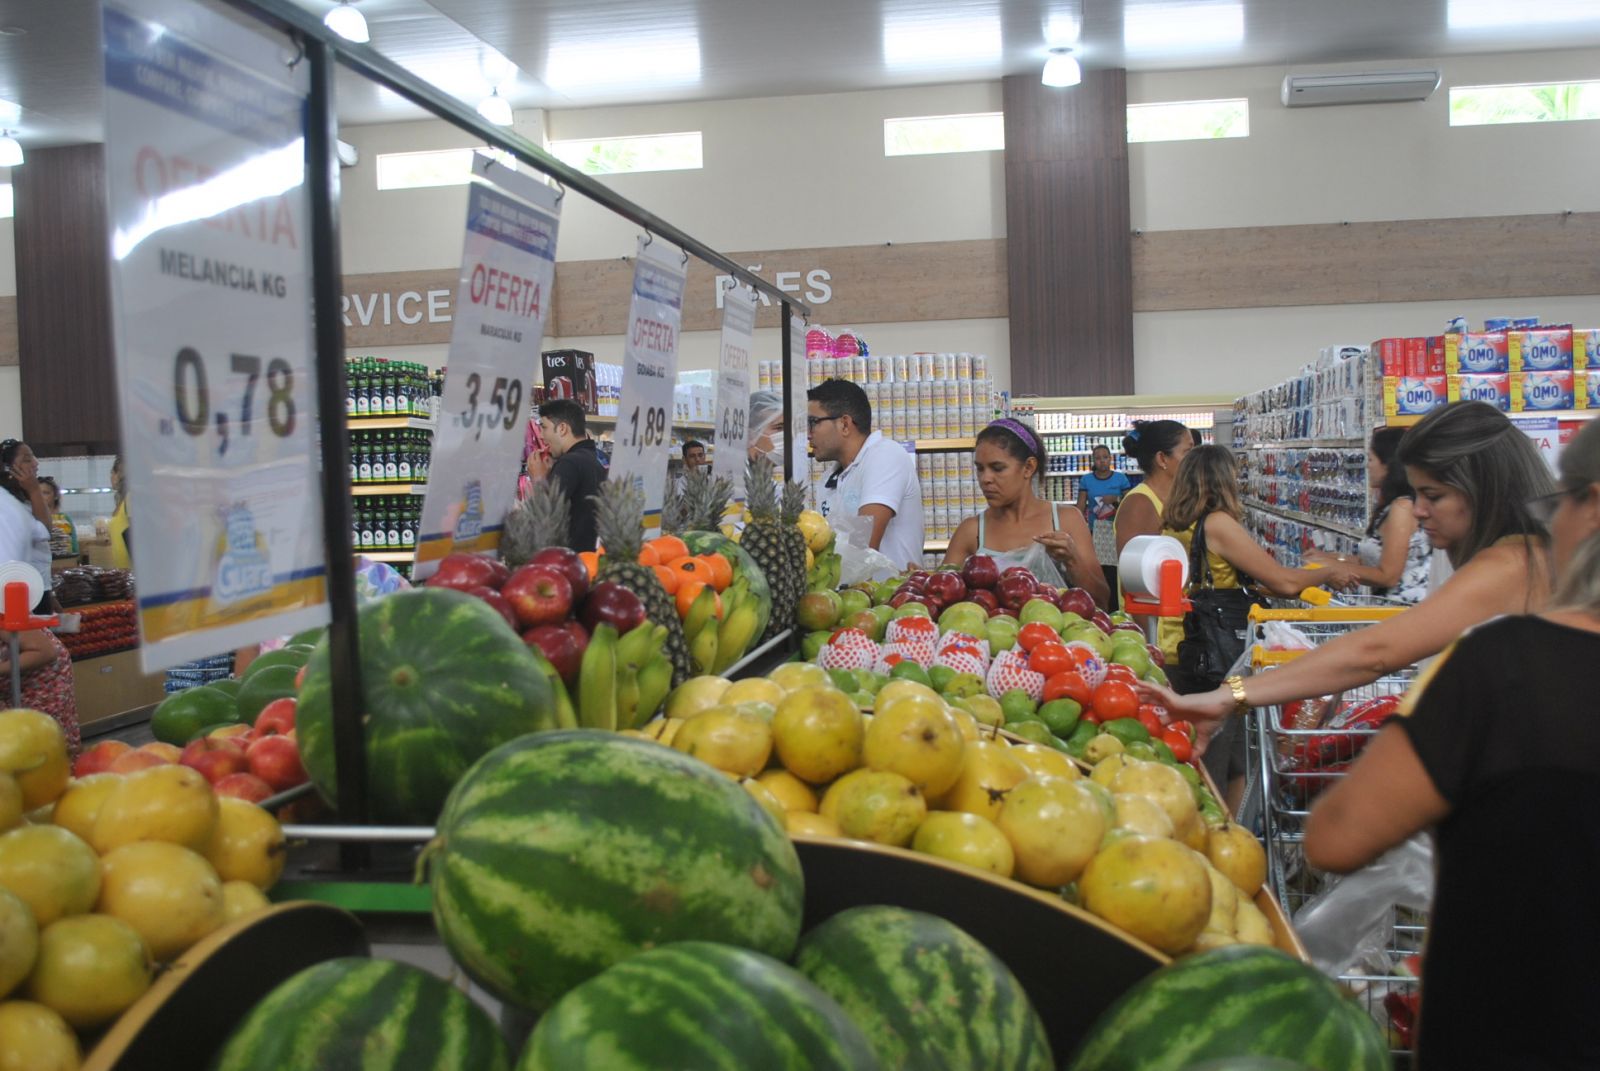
(1135, 658)
(1036, 731)
(870, 682)
(1155, 674)
(1061, 715)
(1017, 704)
(843, 679)
(910, 671)
(1141, 750)
(940, 677)
(1163, 752)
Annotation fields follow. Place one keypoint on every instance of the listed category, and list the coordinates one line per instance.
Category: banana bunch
(623, 679)
(824, 573)
(720, 631)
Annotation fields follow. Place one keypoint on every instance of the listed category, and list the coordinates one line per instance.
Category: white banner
(650, 372)
(211, 292)
(502, 298)
(731, 434)
(799, 432)
(1545, 431)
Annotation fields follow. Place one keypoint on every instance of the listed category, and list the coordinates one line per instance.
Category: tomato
(1068, 684)
(1116, 671)
(1179, 743)
(1150, 720)
(1090, 716)
(1050, 659)
(1184, 727)
(1034, 633)
(1115, 699)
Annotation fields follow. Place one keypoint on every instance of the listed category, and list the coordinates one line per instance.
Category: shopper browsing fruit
(872, 476)
(575, 466)
(1395, 557)
(1156, 446)
(1100, 492)
(24, 516)
(1501, 749)
(46, 678)
(1019, 527)
(1474, 473)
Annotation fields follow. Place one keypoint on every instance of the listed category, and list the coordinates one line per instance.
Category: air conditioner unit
(1367, 87)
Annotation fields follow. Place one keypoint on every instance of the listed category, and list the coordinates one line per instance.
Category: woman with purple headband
(1050, 539)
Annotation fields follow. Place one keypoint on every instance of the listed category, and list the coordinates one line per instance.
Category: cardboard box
(1419, 356)
(1414, 395)
(1476, 352)
(1586, 348)
(1541, 392)
(1545, 349)
(1494, 389)
(1586, 389)
(111, 684)
(570, 374)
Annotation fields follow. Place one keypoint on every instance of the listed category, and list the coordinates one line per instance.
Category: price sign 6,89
(505, 397)
(732, 430)
(191, 396)
(654, 432)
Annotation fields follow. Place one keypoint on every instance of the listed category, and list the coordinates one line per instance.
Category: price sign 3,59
(654, 431)
(505, 398)
(192, 399)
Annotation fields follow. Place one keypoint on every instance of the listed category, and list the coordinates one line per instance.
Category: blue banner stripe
(511, 223)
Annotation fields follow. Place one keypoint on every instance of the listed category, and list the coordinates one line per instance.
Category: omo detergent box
(1481, 353)
(1494, 388)
(1586, 389)
(1542, 349)
(1414, 395)
(1586, 348)
(1535, 392)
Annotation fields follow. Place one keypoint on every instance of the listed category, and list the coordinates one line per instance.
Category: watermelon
(1236, 1001)
(743, 565)
(696, 1004)
(182, 714)
(262, 687)
(365, 1013)
(295, 655)
(559, 854)
(926, 993)
(446, 682)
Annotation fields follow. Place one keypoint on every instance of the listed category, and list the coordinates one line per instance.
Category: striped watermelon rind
(365, 1013)
(927, 994)
(562, 853)
(743, 565)
(1240, 1000)
(696, 1004)
(446, 681)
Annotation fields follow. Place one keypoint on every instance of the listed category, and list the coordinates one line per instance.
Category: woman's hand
(26, 471)
(1322, 557)
(1208, 711)
(538, 466)
(1060, 546)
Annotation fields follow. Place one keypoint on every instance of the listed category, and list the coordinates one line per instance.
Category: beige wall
(10, 379)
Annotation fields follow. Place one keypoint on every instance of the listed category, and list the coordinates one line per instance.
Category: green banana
(703, 649)
(739, 627)
(655, 681)
(702, 611)
(627, 696)
(597, 680)
(634, 646)
(565, 716)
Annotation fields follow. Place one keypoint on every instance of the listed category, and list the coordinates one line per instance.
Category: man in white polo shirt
(872, 476)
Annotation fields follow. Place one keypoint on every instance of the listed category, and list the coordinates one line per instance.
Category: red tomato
(1034, 633)
(1184, 727)
(1115, 699)
(1050, 659)
(1090, 716)
(1150, 720)
(1068, 684)
(1116, 671)
(1085, 655)
(1182, 748)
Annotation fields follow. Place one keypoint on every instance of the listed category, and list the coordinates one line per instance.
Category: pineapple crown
(619, 519)
(675, 507)
(541, 520)
(794, 500)
(760, 492)
(718, 490)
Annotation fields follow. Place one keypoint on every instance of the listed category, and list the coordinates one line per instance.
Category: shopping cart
(1297, 750)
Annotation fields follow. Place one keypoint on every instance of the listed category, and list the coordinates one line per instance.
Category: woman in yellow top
(118, 529)
(1157, 446)
(1474, 474)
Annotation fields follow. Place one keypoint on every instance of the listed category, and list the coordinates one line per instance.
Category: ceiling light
(348, 23)
(496, 109)
(919, 41)
(1061, 69)
(10, 150)
(1182, 28)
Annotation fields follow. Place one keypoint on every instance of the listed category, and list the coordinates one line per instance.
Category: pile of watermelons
(649, 910)
(183, 716)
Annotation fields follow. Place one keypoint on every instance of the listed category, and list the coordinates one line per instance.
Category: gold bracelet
(1235, 685)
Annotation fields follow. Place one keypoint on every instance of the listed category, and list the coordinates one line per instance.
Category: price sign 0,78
(192, 399)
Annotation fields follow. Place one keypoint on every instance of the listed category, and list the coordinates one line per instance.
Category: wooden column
(69, 399)
(1068, 244)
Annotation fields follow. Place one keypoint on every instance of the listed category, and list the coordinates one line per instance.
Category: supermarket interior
(996, 535)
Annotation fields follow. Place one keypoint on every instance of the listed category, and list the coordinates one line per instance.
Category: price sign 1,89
(501, 411)
(653, 433)
(192, 405)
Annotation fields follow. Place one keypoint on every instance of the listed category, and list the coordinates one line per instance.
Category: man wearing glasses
(872, 476)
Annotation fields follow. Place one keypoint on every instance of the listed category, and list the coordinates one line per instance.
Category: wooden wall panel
(69, 399)
(1068, 235)
(8, 332)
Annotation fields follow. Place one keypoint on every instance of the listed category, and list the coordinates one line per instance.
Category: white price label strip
(502, 298)
(649, 373)
(731, 434)
(799, 433)
(211, 297)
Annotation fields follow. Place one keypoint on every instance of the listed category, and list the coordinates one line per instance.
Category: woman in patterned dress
(46, 679)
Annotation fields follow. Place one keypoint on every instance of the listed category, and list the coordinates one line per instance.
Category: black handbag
(1217, 628)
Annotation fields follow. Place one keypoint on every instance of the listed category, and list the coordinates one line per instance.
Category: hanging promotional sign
(502, 300)
(650, 372)
(1545, 432)
(799, 432)
(211, 299)
(730, 435)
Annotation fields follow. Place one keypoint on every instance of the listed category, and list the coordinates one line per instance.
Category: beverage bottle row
(386, 522)
(380, 387)
(389, 456)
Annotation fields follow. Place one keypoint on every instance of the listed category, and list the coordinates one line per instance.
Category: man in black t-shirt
(576, 467)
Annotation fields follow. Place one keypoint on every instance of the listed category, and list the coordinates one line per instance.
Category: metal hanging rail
(367, 61)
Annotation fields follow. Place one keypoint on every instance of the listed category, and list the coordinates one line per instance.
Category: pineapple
(674, 509)
(543, 519)
(764, 541)
(793, 501)
(618, 516)
(707, 511)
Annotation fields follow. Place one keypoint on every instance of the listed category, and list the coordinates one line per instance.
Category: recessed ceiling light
(661, 58)
(496, 109)
(1061, 69)
(347, 22)
(1182, 27)
(920, 40)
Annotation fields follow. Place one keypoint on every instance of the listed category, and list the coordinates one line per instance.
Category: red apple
(277, 717)
(918, 574)
(1019, 570)
(1078, 601)
(463, 571)
(567, 563)
(612, 604)
(984, 598)
(499, 602)
(580, 635)
(276, 760)
(99, 758)
(1014, 591)
(243, 786)
(1157, 655)
(1002, 611)
(168, 752)
(558, 646)
(240, 734)
(136, 760)
(539, 595)
(501, 572)
(900, 598)
(947, 587)
(1102, 621)
(980, 572)
(214, 759)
